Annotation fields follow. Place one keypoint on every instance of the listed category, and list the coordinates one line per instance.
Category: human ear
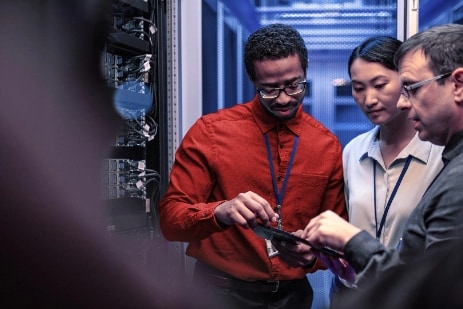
(457, 78)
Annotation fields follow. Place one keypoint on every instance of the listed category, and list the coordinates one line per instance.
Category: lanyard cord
(389, 202)
(279, 194)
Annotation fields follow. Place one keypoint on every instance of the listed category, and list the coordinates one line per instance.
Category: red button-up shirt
(224, 154)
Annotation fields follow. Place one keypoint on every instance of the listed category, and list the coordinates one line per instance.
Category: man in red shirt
(265, 161)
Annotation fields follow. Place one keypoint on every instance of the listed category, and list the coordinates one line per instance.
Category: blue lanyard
(280, 194)
(389, 202)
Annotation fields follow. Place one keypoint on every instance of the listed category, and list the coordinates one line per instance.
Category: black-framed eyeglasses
(272, 93)
(406, 89)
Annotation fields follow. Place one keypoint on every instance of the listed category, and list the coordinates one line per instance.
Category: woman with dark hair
(387, 169)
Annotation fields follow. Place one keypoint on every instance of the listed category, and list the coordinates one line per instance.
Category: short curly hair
(275, 41)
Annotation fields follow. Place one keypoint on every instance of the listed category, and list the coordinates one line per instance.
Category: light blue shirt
(359, 157)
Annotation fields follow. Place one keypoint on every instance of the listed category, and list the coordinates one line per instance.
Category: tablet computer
(271, 233)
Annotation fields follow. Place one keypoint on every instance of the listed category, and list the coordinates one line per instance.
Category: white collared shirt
(359, 157)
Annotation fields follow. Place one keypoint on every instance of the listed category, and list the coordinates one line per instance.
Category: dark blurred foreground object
(434, 280)
(56, 120)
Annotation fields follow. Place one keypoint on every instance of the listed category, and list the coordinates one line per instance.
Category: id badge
(271, 251)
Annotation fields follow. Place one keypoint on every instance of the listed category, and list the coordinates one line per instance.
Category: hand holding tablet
(270, 233)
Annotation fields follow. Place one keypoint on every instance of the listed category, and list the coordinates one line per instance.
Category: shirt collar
(454, 147)
(266, 121)
(373, 150)
(416, 148)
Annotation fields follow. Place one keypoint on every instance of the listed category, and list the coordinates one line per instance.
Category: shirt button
(282, 146)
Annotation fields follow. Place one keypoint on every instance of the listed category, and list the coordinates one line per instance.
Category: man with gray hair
(431, 70)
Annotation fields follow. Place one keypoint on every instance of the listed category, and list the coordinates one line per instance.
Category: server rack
(139, 64)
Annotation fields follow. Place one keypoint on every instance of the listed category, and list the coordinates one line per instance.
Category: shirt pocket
(309, 193)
